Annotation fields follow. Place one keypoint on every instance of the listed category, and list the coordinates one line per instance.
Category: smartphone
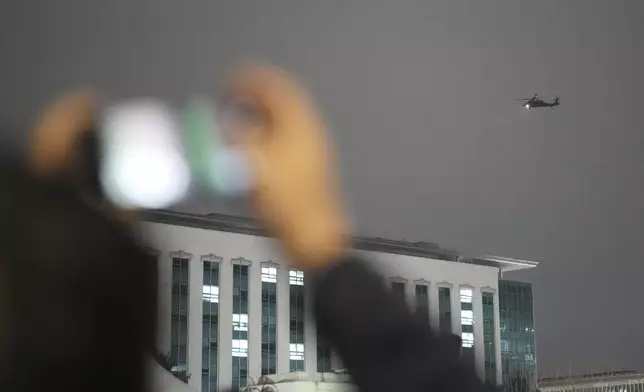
(149, 154)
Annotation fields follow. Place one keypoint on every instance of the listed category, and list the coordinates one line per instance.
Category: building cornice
(249, 226)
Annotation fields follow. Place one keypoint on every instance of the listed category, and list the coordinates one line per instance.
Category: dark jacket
(383, 344)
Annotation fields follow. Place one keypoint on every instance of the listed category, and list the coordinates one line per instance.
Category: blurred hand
(50, 152)
(296, 192)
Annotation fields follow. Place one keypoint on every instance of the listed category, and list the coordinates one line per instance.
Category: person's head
(77, 294)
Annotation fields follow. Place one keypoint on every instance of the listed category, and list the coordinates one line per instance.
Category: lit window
(211, 294)
(297, 316)
(466, 295)
(467, 317)
(296, 278)
(240, 348)
(468, 339)
(269, 274)
(210, 326)
(240, 322)
(240, 327)
(178, 368)
(296, 352)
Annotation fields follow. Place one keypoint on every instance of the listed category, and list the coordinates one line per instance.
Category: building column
(310, 330)
(195, 324)
(455, 298)
(433, 306)
(225, 343)
(283, 320)
(497, 339)
(479, 339)
(255, 320)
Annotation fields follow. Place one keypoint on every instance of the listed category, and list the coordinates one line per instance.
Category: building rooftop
(591, 378)
(243, 225)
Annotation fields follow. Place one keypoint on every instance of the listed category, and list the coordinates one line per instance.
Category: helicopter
(537, 102)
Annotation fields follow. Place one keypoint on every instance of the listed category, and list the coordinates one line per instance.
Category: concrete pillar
(283, 320)
(479, 340)
(455, 297)
(255, 320)
(497, 339)
(433, 307)
(195, 325)
(225, 344)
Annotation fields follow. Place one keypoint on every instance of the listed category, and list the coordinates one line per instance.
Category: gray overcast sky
(419, 95)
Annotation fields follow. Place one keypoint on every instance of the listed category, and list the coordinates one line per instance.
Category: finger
(50, 149)
(281, 99)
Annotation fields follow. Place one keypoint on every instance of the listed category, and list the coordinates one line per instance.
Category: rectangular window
(295, 278)
(467, 318)
(468, 339)
(422, 301)
(516, 325)
(240, 326)
(445, 310)
(488, 338)
(297, 314)
(323, 355)
(398, 289)
(269, 320)
(210, 322)
(179, 316)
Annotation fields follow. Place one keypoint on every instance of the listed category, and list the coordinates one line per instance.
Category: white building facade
(621, 381)
(232, 310)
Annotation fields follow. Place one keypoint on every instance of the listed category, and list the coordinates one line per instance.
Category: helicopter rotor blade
(536, 96)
